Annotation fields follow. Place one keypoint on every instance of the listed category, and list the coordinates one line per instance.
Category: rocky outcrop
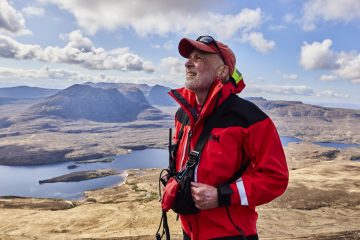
(52, 204)
(81, 176)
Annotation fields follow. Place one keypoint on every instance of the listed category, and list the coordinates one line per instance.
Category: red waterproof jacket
(244, 134)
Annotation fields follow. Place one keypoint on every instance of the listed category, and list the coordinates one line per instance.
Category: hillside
(95, 104)
(22, 92)
(95, 120)
(158, 95)
(121, 86)
(312, 123)
(321, 203)
(296, 109)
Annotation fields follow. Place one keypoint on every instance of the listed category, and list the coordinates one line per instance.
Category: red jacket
(245, 132)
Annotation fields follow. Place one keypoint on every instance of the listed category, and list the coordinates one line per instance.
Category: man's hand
(205, 196)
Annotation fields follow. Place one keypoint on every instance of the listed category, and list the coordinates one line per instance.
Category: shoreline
(312, 151)
(130, 210)
(84, 160)
(98, 156)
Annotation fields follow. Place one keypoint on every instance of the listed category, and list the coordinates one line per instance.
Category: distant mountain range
(47, 129)
(22, 92)
(158, 95)
(297, 109)
(96, 104)
(123, 102)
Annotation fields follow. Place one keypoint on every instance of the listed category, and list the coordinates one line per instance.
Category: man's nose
(189, 63)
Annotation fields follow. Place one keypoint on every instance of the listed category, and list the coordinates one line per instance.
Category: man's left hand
(205, 196)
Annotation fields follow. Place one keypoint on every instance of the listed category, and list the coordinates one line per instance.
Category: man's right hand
(205, 196)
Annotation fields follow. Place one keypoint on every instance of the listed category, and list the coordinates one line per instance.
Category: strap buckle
(194, 157)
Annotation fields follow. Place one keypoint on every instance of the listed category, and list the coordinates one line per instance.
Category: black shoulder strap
(184, 121)
(174, 147)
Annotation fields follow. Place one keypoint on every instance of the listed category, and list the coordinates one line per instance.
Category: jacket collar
(217, 94)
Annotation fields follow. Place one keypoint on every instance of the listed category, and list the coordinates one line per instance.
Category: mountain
(121, 86)
(22, 92)
(299, 110)
(5, 100)
(96, 104)
(158, 95)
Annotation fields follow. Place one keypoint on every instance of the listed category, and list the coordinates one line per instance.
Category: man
(242, 164)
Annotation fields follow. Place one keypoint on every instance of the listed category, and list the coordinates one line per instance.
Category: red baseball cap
(186, 46)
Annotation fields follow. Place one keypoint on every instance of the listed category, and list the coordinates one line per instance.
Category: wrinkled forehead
(197, 52)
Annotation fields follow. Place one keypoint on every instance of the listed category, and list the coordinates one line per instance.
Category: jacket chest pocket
(221, 157)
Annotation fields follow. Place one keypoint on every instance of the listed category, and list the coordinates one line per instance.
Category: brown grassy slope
(322, 202)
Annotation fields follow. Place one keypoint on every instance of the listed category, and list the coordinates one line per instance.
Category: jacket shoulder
(180, 115)
(242, 112)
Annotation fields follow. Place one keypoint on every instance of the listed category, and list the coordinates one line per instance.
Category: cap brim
(186, 46)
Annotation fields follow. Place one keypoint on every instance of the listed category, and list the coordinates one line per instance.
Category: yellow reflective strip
(237, 76)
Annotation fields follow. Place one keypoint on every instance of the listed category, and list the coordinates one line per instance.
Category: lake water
(24, 181)
(336, 145)
(286, 140)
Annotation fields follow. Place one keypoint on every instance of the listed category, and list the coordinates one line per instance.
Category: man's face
(200, 71)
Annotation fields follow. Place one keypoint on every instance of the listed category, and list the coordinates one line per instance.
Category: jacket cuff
(224, 195)
(240, 195)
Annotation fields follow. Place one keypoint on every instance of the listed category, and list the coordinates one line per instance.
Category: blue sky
(286, 49)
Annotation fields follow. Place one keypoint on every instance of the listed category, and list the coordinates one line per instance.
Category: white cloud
(327, 77)
(317, 55)
(289, 18)
(329, 10)
(277, 27)
(127, 13)
(162, 17)
(46, 76)
(349, 66)
(11, 21)
(281, 90)
(79, 50)
(33, 11)
(167, 45)
(257, 40)
(332, 94)
(44, 73)
(290, 76)
(159, 17)
(173, 65)
(78, 41)
(157, 46)
(345, 65)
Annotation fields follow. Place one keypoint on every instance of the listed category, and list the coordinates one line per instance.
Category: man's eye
(198, 58)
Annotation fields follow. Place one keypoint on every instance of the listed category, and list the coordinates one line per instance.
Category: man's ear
(223, 73)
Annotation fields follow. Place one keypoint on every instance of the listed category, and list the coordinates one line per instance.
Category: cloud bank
(11, 21)
(319, 55)
(79, 50)
(329, 10)
(163, 17)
